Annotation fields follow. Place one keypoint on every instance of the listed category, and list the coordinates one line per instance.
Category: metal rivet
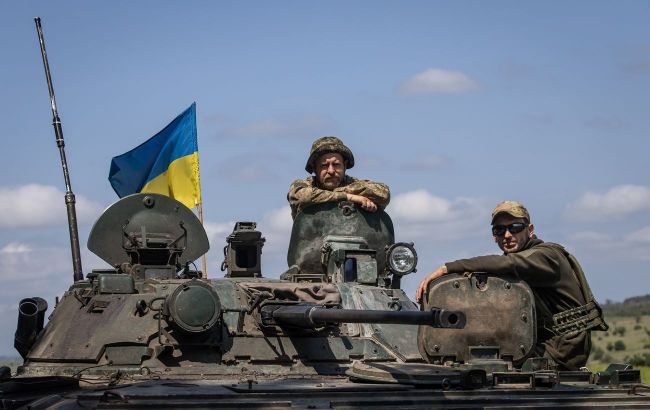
(456, 284)
(148, 201)
(507, 285)
(436, 348)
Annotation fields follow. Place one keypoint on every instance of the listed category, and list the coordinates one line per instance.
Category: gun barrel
(315, 316)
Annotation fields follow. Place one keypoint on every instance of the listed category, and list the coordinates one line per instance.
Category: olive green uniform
(556, 288)
(305, 192)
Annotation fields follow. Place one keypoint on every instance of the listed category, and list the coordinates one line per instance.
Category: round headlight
(402, 258)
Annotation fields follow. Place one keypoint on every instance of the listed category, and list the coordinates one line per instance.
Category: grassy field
(595, 367)
(627, 337)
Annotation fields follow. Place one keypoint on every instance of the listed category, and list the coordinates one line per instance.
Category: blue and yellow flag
(167, 163)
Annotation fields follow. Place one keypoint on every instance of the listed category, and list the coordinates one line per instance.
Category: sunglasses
(500, 230)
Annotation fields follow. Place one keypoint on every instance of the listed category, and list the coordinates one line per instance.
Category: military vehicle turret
(334, 331)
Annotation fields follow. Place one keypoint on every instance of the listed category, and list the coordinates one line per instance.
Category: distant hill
(636, 306)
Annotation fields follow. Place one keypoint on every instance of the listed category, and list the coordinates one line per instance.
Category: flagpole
(199, 203)
(204, 265)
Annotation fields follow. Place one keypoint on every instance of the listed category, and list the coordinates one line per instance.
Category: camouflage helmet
(324, 145)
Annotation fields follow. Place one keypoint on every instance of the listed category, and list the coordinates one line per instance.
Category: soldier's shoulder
(352, 180)
(376, 186)
(552, 248)
(302, 182)
(550, 245)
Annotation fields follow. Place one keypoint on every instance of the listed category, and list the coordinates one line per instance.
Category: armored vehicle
(334, 331)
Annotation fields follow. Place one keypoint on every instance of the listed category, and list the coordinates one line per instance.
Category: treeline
(636, 306)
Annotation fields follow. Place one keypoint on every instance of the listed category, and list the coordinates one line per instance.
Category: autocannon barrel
(315, 316)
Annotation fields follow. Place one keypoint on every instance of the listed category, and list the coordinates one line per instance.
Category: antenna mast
(58, 133)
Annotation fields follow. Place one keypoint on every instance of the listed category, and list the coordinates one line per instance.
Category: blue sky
(456, 105)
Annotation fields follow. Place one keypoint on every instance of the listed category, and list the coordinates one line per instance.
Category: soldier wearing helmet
(328, 160)
(566, 310)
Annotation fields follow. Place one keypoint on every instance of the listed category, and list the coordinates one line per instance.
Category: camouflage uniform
(305, 192)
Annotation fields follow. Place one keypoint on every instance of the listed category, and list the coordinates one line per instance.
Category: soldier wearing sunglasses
(565, 307)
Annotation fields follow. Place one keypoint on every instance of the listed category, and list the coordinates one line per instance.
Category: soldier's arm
(538, 266)
(375, 191)
(302, 193)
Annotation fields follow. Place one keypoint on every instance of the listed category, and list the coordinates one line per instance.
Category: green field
(627, 340)
(599, 367)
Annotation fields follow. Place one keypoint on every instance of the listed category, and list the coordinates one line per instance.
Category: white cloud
(618, 202)
(275, 226)
(23, 261)
(279, 220)
(38, 205)
(218, 231)
(640, 236)
(420, 206)
(597, 245)
(15, 247)
(291, 127)
(435, 80)
(28, 270)
(274, 221)
(419, 214)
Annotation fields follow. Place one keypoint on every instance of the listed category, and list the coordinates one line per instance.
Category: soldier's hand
(419, 293)
(366, 204)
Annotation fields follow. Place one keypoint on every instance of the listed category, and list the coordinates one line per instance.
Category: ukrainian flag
(167, 163)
